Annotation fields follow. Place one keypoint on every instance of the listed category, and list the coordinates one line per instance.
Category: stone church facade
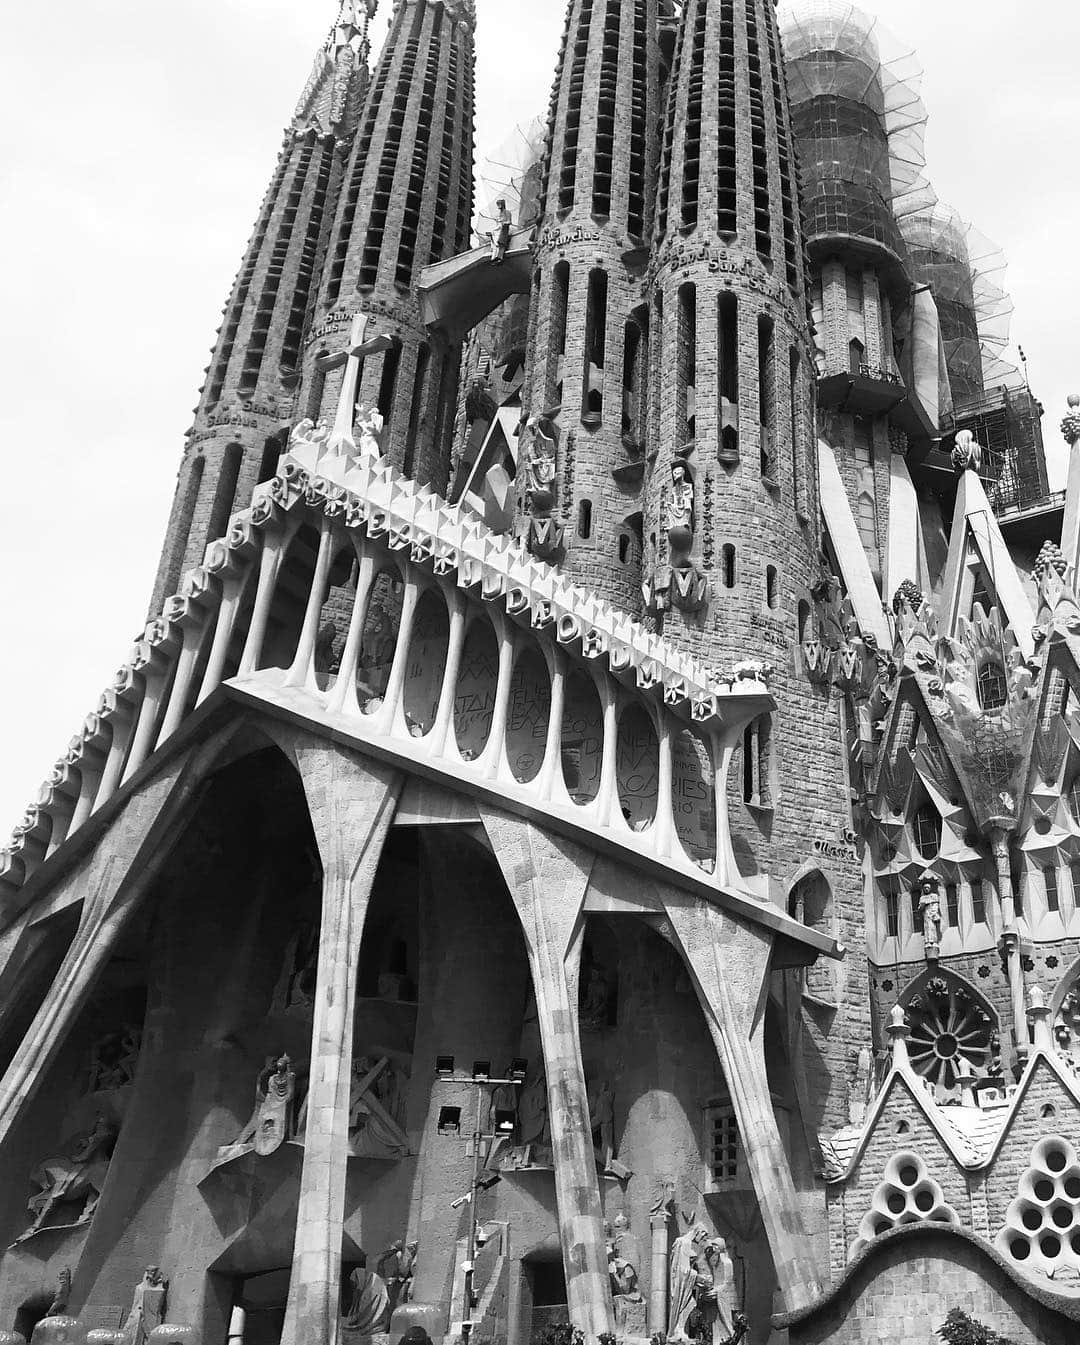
(589, 833)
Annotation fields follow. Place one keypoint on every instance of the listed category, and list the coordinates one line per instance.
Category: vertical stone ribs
(726, 180)
(788, 195)
(607, 97)
(640, 130)
(759, 149)
(572, 128)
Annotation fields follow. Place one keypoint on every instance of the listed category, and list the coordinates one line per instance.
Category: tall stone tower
(586, 377)
(246, 404)
(406, 201)
(730, 535)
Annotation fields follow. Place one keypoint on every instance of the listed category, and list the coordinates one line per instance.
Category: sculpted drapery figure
(147, 1307)
(681, 507)
(541, 463)
(79, 1177)
(369, 1303)
(684, 1279)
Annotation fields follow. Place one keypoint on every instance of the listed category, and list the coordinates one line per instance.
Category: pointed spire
(899, 1031)
(1039, 1016)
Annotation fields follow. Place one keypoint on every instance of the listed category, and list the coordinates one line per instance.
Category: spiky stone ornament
(1049, 558)
(1070, 426)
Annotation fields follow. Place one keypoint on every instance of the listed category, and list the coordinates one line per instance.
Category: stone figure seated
(368, 1311)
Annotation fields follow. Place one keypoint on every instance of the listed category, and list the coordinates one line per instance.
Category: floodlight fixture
(505, 1120)
(450, 1121)
(519, 1067)
(444, 1066)
(487, 1180)
(481, 1070)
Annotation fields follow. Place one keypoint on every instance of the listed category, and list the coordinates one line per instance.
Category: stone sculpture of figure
(68, 1179)
(541, 463)
(368, 427)
(369, 1302)
(397, 1266)
(147, 1307)
(863, 1087)
(930, 911)
(113, 1059)
(626, 1243)
(376, 1107)
(714, 1293)
(683, 1279)
(967, 452)
(275, 1122)
(630, 1316)
(58, 1307)
(681, 507)
(602, 1121)
(500, 238)
(595, 1010)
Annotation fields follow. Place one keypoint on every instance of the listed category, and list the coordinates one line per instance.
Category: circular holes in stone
(924, 1200)
(909, 1174)
(1062, 1216)
(637, 767)
(1074, 1243)
(1056, 1160)
(1019, 1249)
(882, 1226)
(896, 1202)
(1032, 1219)
(1050, 1246)
(1072, 1187)
(1044, 1189)
(528, 713)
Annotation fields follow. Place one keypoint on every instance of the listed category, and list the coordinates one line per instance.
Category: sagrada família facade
(588, 838)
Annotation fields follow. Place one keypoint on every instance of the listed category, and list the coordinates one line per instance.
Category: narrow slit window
(592, 409)
(728, 556)
(892, 915)
(584, 526)
(767, 398)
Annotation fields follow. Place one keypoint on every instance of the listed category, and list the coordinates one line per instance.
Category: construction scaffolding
(860, 123)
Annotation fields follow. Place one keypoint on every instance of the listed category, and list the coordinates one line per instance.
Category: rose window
(947, 1026)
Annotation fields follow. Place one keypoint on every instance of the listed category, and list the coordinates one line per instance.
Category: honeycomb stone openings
(1041, 1233)
(907, 1194)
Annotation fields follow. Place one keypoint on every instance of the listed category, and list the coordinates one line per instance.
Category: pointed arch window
(926, 824)
(993, 686)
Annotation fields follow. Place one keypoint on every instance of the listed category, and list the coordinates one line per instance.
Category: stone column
(729, 962)
(548, 878)
(110, 882)
(351, 800)
(660, 1223)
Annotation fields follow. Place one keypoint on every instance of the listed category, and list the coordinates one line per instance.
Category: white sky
(135, 144)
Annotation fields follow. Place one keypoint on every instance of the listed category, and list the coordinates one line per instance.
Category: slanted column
(1070, 528)
(111, 883)
(548, 878)
(351, 800)
(729, 961)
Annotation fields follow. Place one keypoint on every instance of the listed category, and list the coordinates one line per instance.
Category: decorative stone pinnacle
(1049, 558)
(967, 1082)
(899, 1031)
(910, 594)
(1070, 426)
(1040, 1019)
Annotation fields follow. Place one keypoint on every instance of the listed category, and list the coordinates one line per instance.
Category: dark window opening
(993, 687)
(686, 364)
(772, 594)
(595, 335)
(767, 399)
(584, 525)
(728, 561)
(727, 363)
(225, 494)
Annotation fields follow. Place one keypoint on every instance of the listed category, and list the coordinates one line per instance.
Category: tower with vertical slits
(247, 401)
(731, 532)
(406, 201)
(585, 387)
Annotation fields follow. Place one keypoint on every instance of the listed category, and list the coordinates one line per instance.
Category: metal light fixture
(481, 1070)
(505, 1121)
(519, 1067)
(444, 1065)
(450, 1121)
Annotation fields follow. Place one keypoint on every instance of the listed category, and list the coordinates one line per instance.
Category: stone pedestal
(58, 1331)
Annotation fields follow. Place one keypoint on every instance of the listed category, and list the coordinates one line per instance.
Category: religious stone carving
(596, 999)
(272, 1120)
(310, 436)
(295, 992)
(113, 1058)
(369, 1303)
(77, 1179)
(712, 1321)
(627, 1299)
(377, 1098)
(540, 463)
(601, 1096)
(397, 1267)
(967, 452)
(689, 588)
(908, 594)
(368, 428)
(545, 538)
(680, 511)
(684, 1275)
(533, 1146)
(930, 911)
(147, 1307)
(1070, 426)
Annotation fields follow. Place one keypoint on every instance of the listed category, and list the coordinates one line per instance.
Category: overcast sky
(136, 142)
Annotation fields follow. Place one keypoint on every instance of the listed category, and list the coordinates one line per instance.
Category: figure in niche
(684, 1274)
(147, 1307)
(377, 1099)
(596, 1001)
(930, 911)
(680, 512)
(369, 1302)
(296, 990)
(379, 641)
(272, 1120)
(76, 1180)
(113, 1058)
(533, 1147)
(397, 1267)
(327, 659)
(601, 1097)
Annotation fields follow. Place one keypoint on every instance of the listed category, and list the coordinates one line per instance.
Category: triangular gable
(1059, 682)
(976, 541)
(1045, 1075)
(859, 583)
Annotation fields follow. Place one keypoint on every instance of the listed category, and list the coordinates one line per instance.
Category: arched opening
(529, 712)
(856, 356)
(806, 629)
(693, 798)
(772, 588)
(637, 767)
(582, 738)
(290, 600)
(592, 409)
(335, 615)
(474, 695)
(810, 902)
(757, 763)
(993, 686)
(560, 293)
(584, 520)
(378, 641)
(767, 399)
(426, 663)
(225, 492)
(727, 372)
(727, 562)
(926, 828)
(686, 365)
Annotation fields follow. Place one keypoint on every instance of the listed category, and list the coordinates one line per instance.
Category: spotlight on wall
(450, 1122)
(444, 1065)
(487, 1180)
(481, 1070)
(505, 1120)
(519, 1067)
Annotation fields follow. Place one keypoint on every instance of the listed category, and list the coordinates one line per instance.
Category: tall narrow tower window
(605, 110)
(560, 291)
(794, 368)
(572, 127)
(693, 123)
(418, 408)
(632, 372)
(727, 365)
(686, 364)
(726, 123)
(639, 120)
(767, 398)
(772, 588)
(584, 526)
(758, 141)
(856, 356)
(388, 384)
(728, 565)
(787, 187)
(271, 456)
(592, 408)
(225, 492)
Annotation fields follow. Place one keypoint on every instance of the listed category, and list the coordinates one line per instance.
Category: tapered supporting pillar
(351, 801)
(548, 878)
(112, 881)
(660, 1224)
(729, 961)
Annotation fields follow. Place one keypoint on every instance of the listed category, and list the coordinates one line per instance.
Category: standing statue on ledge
(930, 911)
(684, 1277)
(681, 507)
(397, 1267)
(369, 1305)
(500, 238)
(147, 1307)
(712, 1321)
(276, 1121)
